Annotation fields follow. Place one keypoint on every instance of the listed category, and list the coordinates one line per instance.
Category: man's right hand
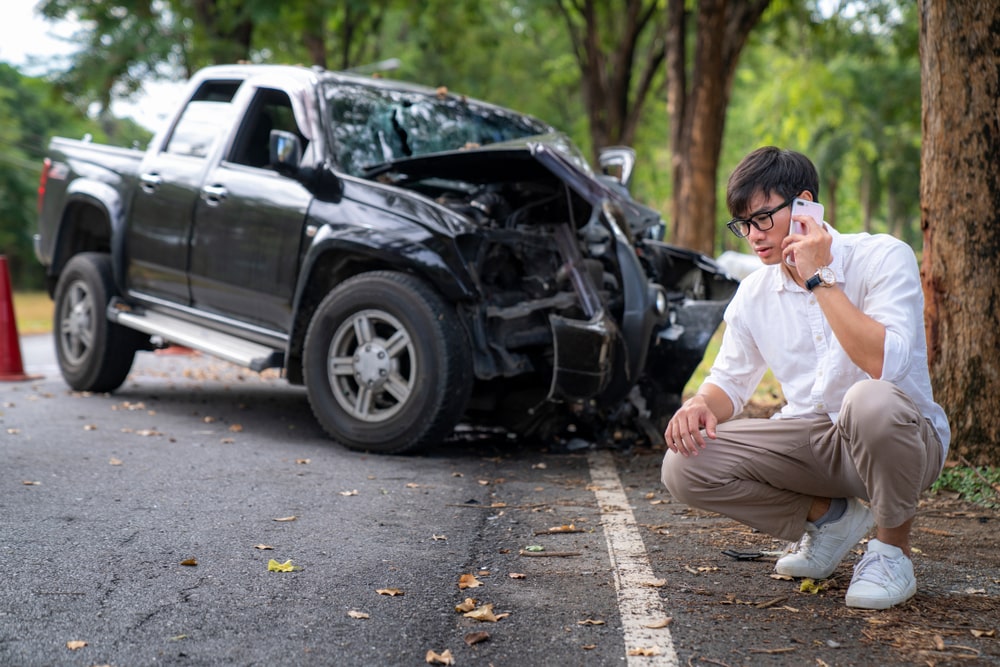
(683, 434)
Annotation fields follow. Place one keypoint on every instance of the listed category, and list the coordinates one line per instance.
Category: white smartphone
(803, 207)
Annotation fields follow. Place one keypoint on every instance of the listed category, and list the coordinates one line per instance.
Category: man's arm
(862, 338)
(709, 406)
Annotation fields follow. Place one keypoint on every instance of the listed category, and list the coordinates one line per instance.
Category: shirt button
(819, 406)
(818, 337)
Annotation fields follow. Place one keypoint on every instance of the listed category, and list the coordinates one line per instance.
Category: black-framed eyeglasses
(763, 221)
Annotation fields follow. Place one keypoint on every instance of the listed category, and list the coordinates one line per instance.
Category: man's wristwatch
(824, 276)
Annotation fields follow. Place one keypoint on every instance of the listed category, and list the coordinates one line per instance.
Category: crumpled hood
(542, 158)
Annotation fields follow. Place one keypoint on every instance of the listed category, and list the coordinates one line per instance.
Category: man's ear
(805, 194)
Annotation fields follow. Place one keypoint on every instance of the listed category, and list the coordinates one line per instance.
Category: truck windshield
(372, 126)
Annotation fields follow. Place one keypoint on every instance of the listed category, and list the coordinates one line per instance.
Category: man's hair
(769, 170)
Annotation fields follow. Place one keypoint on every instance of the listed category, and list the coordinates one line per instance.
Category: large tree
(960, 216)
(699, 86)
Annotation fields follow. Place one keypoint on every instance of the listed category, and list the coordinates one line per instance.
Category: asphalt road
(136, 529)
(143, 523)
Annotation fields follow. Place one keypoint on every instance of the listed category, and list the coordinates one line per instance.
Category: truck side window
(204, 120)
(270, 110)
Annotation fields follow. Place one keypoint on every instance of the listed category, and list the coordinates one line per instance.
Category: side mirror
(284, 152)
(618, 162)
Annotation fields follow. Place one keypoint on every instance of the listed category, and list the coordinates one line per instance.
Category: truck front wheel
(387, 364)
(94, 354)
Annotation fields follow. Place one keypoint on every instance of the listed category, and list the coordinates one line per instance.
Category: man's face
(765, 209)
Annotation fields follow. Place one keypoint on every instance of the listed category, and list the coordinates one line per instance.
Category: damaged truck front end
(585, 324)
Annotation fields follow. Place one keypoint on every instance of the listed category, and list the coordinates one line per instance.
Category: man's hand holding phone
(802, 207)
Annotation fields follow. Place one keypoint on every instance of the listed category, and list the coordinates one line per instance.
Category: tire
(387, 364)
(94, 354)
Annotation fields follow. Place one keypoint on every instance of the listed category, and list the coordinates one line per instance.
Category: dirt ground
(753, 617)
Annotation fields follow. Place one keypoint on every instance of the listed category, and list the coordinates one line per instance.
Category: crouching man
(842, 331)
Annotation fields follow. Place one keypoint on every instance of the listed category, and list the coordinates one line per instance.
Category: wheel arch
(330, 262)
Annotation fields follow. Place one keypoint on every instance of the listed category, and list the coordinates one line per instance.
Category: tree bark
(698, 111)
(960, 217)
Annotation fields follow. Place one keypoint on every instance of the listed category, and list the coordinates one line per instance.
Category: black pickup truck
(415, 258)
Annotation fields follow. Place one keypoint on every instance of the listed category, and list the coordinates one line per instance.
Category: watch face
(827, 276)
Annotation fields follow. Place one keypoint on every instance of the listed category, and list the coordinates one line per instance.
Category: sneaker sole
(805, 570)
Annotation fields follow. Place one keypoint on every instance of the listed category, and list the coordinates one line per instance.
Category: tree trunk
(619, 51)
(698, 112)
(960, 217)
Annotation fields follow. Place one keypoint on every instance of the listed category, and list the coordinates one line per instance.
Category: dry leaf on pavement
(75, 644)
(476, 637)
(485, 613)
(391, 592)
(468, 581)
(645, 651)
(468, 605)
(275, 566)
(358, 614)
(443, 658)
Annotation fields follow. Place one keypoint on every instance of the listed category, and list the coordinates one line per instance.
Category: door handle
(150, 182)
(214, 194)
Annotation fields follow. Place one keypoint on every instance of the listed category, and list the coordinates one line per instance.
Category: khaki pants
(765, 472)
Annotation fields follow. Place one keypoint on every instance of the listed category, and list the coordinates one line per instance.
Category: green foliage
(976, 485)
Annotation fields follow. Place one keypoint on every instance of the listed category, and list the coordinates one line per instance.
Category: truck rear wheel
(94, 354)
(387, 364)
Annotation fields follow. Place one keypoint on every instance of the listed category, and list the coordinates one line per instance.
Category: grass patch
(32, 312)
(980, 486)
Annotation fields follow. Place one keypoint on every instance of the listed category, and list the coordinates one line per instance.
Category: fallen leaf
(438, 538)
(28, 482)
(412, 485)
(589, 647)
(358, 614)
(646, 651)
(590, 621)
(208, 420)
(655, 583)
(148, 432)
(391, 592)
(538, 466)
(468, 605)
(983, 633)
(286, 518)
(565, 528)
(115, 462)
(275, 566)
(781, 577)
(75, 644)
(443, 658)
(476, 637)
(656, 625)
(90, 427)
(810, 586)
(349, 493)
(13, 431)
(517, 575)
(534, 547)
(190, 562)
(303, 461)
(263, 547)
(485, 613)
(236, 428)
(468, 581)
(226, 441)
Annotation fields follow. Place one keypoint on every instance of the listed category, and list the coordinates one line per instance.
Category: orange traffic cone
(11, 368)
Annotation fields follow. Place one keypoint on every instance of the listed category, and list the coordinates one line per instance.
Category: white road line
(638, 598)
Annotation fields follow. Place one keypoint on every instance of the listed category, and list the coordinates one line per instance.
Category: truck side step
(251, 355)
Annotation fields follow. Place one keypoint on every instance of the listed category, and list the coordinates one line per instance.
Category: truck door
(249, 224)
(170, 180)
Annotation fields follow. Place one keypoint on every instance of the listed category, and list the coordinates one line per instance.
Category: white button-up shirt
(773, 323)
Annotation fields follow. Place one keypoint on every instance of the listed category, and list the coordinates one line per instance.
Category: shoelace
(875, 568)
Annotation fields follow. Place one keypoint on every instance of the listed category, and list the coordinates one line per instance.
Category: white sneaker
(883, 578)
(820, 550)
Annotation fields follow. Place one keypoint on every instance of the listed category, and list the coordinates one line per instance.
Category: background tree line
(692, 85)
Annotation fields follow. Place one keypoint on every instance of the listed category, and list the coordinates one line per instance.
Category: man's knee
(876, 405)
(675, 475)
